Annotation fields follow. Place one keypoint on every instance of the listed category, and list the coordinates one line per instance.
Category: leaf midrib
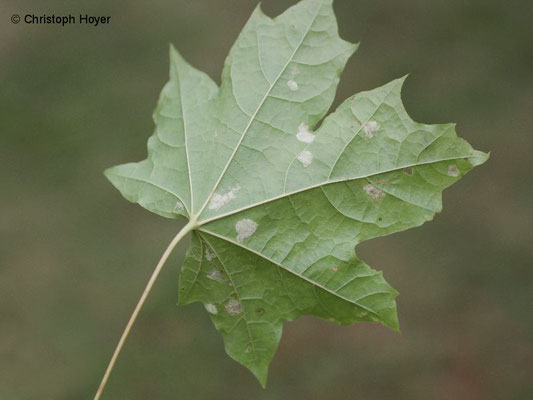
(253, 117)
(315, 284)
(325, 183)
(235, 290)
(182, 108)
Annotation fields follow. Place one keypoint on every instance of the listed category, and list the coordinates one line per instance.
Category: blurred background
(75, 256)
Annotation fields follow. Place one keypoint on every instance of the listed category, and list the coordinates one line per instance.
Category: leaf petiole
(181, 234)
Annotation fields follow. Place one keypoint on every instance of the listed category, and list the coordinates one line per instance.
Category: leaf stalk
(181, 234)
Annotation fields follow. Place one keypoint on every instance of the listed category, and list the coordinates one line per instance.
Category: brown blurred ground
(74, 256)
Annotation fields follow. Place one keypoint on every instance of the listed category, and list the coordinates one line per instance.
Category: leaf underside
(281, 205)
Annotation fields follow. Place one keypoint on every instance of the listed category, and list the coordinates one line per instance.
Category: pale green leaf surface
(161, 183)
(278, 206)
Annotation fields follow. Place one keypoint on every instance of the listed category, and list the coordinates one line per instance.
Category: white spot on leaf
(370, 128)
(211, 309)
(215, 275)
(293, 85)
(209, 255)
(233, 306)
(178, 207)
(305, 158)
(453, 171)
(220, 200)
(304, 134)
(374, 192)
(245, 228)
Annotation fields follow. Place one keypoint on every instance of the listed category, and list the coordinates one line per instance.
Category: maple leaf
(276, 206)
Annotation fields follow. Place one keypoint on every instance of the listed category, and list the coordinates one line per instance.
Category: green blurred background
(75, 256)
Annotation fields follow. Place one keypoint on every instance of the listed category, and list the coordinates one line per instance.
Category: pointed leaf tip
(478, 158)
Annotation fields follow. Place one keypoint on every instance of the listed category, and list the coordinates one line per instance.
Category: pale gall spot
(453, 171)
(220, 200)
(370, 128)
(245, 228)
(304, 134)
(293, 85)
(373, 192)
(233, 306)
(335, 268)
(215, 275)
(305, 158)
(209, 255)
(211, 309)
(408, 171)
(248, 349)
